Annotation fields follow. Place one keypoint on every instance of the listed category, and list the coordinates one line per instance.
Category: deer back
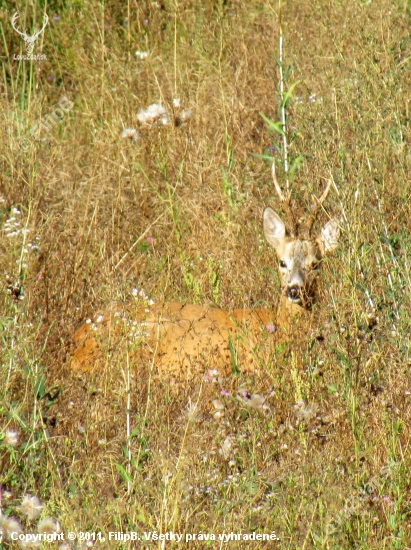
(183, 341)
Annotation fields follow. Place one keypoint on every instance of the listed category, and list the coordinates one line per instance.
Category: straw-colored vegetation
(316, 447)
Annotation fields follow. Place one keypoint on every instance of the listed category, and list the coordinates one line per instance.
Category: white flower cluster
(252, 400)
(140, 54)
(99, 319)
(157, 115)
(135, 329)
(185, 115)
(11, 438)
(13, 227)
(130, 133)
(141, 295)
(30, 508)
(153, 114)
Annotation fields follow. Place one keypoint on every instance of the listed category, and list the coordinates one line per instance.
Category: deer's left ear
(274, 230)
(328, 239)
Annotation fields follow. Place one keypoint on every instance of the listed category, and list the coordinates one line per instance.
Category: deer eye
(282, 264)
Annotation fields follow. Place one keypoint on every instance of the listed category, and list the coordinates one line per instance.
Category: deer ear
(328, 240)
(274, 228)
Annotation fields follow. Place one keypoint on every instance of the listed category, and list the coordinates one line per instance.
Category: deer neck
(290, 314)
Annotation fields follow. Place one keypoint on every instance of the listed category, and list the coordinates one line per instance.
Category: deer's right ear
(274, 228)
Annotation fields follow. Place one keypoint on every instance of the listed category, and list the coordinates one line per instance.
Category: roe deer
(182, 341)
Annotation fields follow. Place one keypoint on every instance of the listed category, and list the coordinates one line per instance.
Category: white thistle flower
(218, 404)
(303, 412)
(186, 115)
(227, 446)
(30, 506)
(253, 401)
(48, 526)
(192, 412)
(130, 133)
(155, 113)
(9, 525)
(11, 438)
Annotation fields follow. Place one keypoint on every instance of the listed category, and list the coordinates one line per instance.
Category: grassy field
(87, 215)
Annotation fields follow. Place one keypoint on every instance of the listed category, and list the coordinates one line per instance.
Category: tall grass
(177, 214)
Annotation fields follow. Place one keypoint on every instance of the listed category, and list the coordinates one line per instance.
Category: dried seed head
(154, 114)
(11, 438)
(192, 412)
(48, 526)
(130, 133)
(9, 525)
(31, 507)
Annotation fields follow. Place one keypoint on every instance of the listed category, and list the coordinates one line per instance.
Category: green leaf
(123, 473)
(288, 94)
(135, 432)
(332, 389)
(233, 354)
(273, 126)
(296, 164)
(40, 388)
(125, 451)
(264, 157)
(52, 397)
(288, 71)
(279, 348)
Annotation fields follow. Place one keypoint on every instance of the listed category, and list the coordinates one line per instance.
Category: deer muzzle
(294, 293)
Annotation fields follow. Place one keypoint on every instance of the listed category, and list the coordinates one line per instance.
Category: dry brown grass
(87, 195)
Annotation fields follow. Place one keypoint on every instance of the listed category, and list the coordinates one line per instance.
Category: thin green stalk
(283, 103)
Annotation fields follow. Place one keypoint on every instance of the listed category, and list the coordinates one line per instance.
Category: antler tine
(13, 21)
(45, 21)
(285, 201)
(314, 211)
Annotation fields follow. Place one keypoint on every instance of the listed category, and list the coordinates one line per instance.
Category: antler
(306, 231)
(29, 40)
(286, 203)
(13, 21)
(45, 21)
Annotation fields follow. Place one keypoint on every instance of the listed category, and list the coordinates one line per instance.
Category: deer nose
(294, 293)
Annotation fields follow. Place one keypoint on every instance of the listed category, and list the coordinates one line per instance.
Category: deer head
(29, 40)
(299, 258)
